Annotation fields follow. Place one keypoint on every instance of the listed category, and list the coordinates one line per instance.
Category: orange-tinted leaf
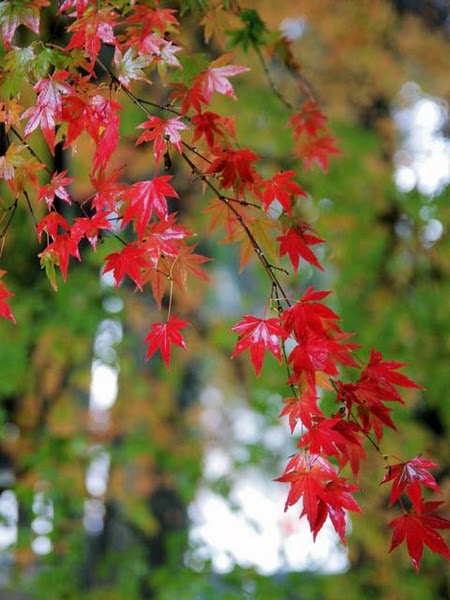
(185, 263)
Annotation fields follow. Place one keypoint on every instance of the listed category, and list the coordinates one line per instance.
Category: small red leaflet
(235, 168)
(129, 261)
(5, 311)
(51, 223)
(408, 477)
(145, 197)
(48, 109)
(295, 243)
(89, 227)
(301, 409)
(309, 120)
(90, 30)
(210, 126)
(161, 132)
(258, 335)
(215, 79)
(163, 335)
(59, 251)
(380, 376)
(281, 188)
(55, 187)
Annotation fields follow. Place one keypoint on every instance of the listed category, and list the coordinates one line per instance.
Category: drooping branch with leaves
(65, 92)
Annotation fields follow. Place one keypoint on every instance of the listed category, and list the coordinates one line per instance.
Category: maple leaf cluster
(417, 527)
(319, 347)
(79, 97)
(312, 140)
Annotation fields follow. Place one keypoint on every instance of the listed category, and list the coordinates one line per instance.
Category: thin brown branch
(13, 209)
(256, 247)
(272, 83)
(30, 150)
(30, 207)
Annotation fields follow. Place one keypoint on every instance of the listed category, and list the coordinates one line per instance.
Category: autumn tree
(120, 155)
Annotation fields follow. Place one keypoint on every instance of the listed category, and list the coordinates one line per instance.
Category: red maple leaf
(145, 45)
(55, 187)
(309, 119)
(296, 244)
(373, 413)
(189, 96)
(418, 529)
(258, 335)
(316, 150)
(215, 79)
(48, 108)
(51, 223)
(78, 116)
(313, 354)
(210, 126)
(302, 409)
(235, 168)
(144, 197)
(334, 436)
(150, 19)
(5, 310)
(307, 475)
(336, 500)
(108, 190)
(61, 249)
(103, 127)
(89, 227)
(408, 477)
(280, 188)
(319, 354)
(352, 451)
(163, 335)
(129, 261)
(164, 238)
(379, 376)
(96, 115)
(310, 314)
(161, 131)
(314, 480)
(323, 437)
(91, 29)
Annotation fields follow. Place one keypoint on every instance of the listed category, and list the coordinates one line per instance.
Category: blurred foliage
(391, 289)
